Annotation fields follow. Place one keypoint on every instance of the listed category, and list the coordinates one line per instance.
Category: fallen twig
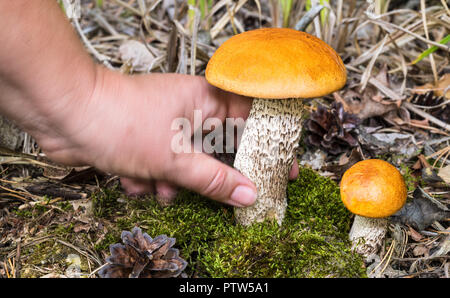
(425, 115)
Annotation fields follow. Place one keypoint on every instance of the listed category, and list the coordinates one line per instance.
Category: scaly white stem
(367, 234)
(265, 155)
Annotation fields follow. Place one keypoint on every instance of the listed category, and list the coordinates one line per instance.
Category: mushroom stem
(265, 155)
(367, 234)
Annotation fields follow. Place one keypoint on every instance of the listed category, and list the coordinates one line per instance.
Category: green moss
(312, 242)
(264, 250)
(105, 202)
(411, 181)
(62, 230)
(51, 255)
(23, 213)
(65, 205)
(194, 221)
(31, 212)
(110, 238)
(315, 200)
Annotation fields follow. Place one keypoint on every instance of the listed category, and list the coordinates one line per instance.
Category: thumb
(211, 178)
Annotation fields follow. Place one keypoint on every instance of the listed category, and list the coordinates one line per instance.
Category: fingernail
(243, 196)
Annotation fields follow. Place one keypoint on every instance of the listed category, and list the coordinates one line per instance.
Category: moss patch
(411, 180)
(50, 255)
(312, 242)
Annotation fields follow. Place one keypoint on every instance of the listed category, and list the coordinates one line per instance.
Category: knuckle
(216, 186)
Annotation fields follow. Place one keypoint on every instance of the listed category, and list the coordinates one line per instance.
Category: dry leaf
(444, 247)
(79, 227)
(444, 173)
(416, 236)
(438, 89)
(420, 212)
(420, 250)
(430, 176)
(421, 163)
(345, 162)
(367, 104)
(137, 54)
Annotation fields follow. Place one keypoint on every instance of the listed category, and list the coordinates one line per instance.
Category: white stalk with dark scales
(265, 155)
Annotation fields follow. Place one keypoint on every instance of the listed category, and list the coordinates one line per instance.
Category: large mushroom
(373, 190)
(278, 67)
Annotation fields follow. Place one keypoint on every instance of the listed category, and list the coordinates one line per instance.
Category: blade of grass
(203, 7)
(308, 5)
(191, 13)
(324, 12)
(286, 6)
(194, 32)
(399, 28)
(431, 50)
(425, 27)
(61, 4)
(403, 36)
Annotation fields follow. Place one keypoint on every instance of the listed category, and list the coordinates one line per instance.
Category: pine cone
(143, 257)
(435, 106)
(332, 130)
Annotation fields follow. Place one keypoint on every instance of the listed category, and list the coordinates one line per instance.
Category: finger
(137, 186)
(221, 104)
(293, 174)
(211, 178)
(165, 193)
(238, 106)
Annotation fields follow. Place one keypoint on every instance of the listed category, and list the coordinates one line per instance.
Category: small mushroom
(373, 190)
(278, 67)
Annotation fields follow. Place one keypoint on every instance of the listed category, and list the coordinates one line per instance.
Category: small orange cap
(373, 188)
(276, 63)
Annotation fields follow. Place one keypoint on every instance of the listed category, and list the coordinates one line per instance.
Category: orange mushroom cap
(373, 188)
(276, 63)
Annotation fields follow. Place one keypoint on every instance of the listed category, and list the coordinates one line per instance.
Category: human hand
(125, 128)
(83, 114)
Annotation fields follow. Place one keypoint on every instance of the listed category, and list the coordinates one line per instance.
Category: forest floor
(58, 221)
